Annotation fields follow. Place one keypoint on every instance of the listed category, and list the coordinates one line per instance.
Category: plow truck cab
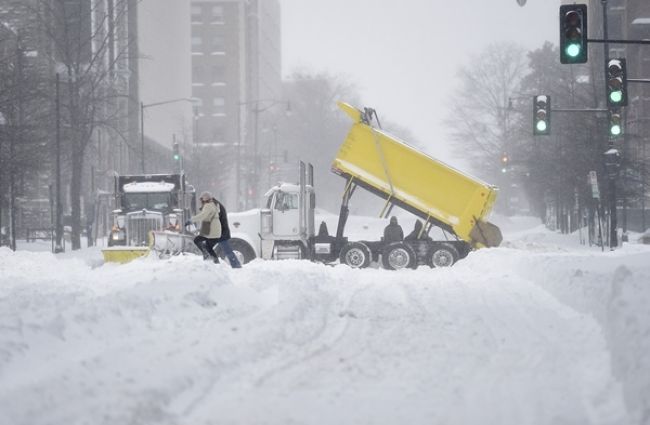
(145, 204)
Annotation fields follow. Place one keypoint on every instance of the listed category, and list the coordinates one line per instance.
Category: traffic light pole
(613, 222)
(579, 110)
(602, 40)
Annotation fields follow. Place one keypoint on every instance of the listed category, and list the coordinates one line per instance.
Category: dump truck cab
(283, 229)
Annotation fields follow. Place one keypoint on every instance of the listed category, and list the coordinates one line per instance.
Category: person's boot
(234, 262)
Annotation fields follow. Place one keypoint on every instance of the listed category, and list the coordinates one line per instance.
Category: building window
(219, 104)
(197, 42)
(217, 14)
(616, 22)
(218, 44)
(197, 106)
(218, 74)
(197, 74)
(218, 134)
(197, 13)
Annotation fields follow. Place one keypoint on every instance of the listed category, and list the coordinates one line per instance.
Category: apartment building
(236, 78)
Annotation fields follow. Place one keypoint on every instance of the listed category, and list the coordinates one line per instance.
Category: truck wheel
(398, 255)
(443, 255)
(356, 255)
(243, 251)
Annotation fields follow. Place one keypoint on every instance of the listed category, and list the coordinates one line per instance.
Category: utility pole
(142, 136)
(613, 236)
(58, 227)
(12, 145)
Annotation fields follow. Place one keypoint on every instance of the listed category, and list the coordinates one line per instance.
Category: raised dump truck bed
(432, 190)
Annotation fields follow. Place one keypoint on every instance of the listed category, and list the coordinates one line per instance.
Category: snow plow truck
(372, 159)
(144, 204)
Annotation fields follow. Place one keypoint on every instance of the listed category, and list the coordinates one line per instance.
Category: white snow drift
(540, 331)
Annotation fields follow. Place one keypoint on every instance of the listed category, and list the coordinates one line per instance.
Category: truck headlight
(118, 235)
(174, 224)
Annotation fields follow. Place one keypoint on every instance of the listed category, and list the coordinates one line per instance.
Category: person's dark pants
(207, 245)
(232, 258)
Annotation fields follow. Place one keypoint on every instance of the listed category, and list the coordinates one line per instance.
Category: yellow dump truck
(370, 158)
(436, 193)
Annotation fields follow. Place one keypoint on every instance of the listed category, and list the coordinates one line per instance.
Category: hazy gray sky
(403, 54)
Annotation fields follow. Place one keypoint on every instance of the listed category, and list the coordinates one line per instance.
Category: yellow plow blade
(124, 254)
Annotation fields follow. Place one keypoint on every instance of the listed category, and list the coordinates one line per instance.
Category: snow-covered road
(532, 333)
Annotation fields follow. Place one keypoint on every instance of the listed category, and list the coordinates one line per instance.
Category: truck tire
(443, 255)
(398, 255)
(356, 255)
(243, 251)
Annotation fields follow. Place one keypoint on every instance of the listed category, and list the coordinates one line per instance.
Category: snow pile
(541, 331)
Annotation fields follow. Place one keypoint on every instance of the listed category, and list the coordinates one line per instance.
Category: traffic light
(541, 115)
(616, 82)
(177, 153)
(573, 33)
(615, 123)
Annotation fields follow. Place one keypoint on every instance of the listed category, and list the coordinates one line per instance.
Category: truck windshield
(286, 201)
(149, 201)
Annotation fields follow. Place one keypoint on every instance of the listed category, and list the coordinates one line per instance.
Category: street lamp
(3, 122)
(257, 110)
(151, 105)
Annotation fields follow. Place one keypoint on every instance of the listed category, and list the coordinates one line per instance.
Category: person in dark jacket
(415, 234)
(222, 241)
(212, 231)
(393, 232)
(207, 221)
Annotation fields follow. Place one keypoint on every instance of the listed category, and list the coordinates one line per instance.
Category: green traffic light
(615, 130)
(616, 96)
(573, 50)
(177, 157)
(541, 126)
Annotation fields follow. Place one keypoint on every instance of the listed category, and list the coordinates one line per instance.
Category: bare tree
(479, 119)
(316, 127)
(90, 49)
(22, 111)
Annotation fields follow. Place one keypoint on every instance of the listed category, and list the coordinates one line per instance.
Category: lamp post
(151, 105)
(3, 122)
(12, 143)
(257, 110)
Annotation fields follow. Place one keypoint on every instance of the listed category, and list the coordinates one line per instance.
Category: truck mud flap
(486, 234)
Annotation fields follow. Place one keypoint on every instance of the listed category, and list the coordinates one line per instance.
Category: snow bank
(540, 331)
(613, 286)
